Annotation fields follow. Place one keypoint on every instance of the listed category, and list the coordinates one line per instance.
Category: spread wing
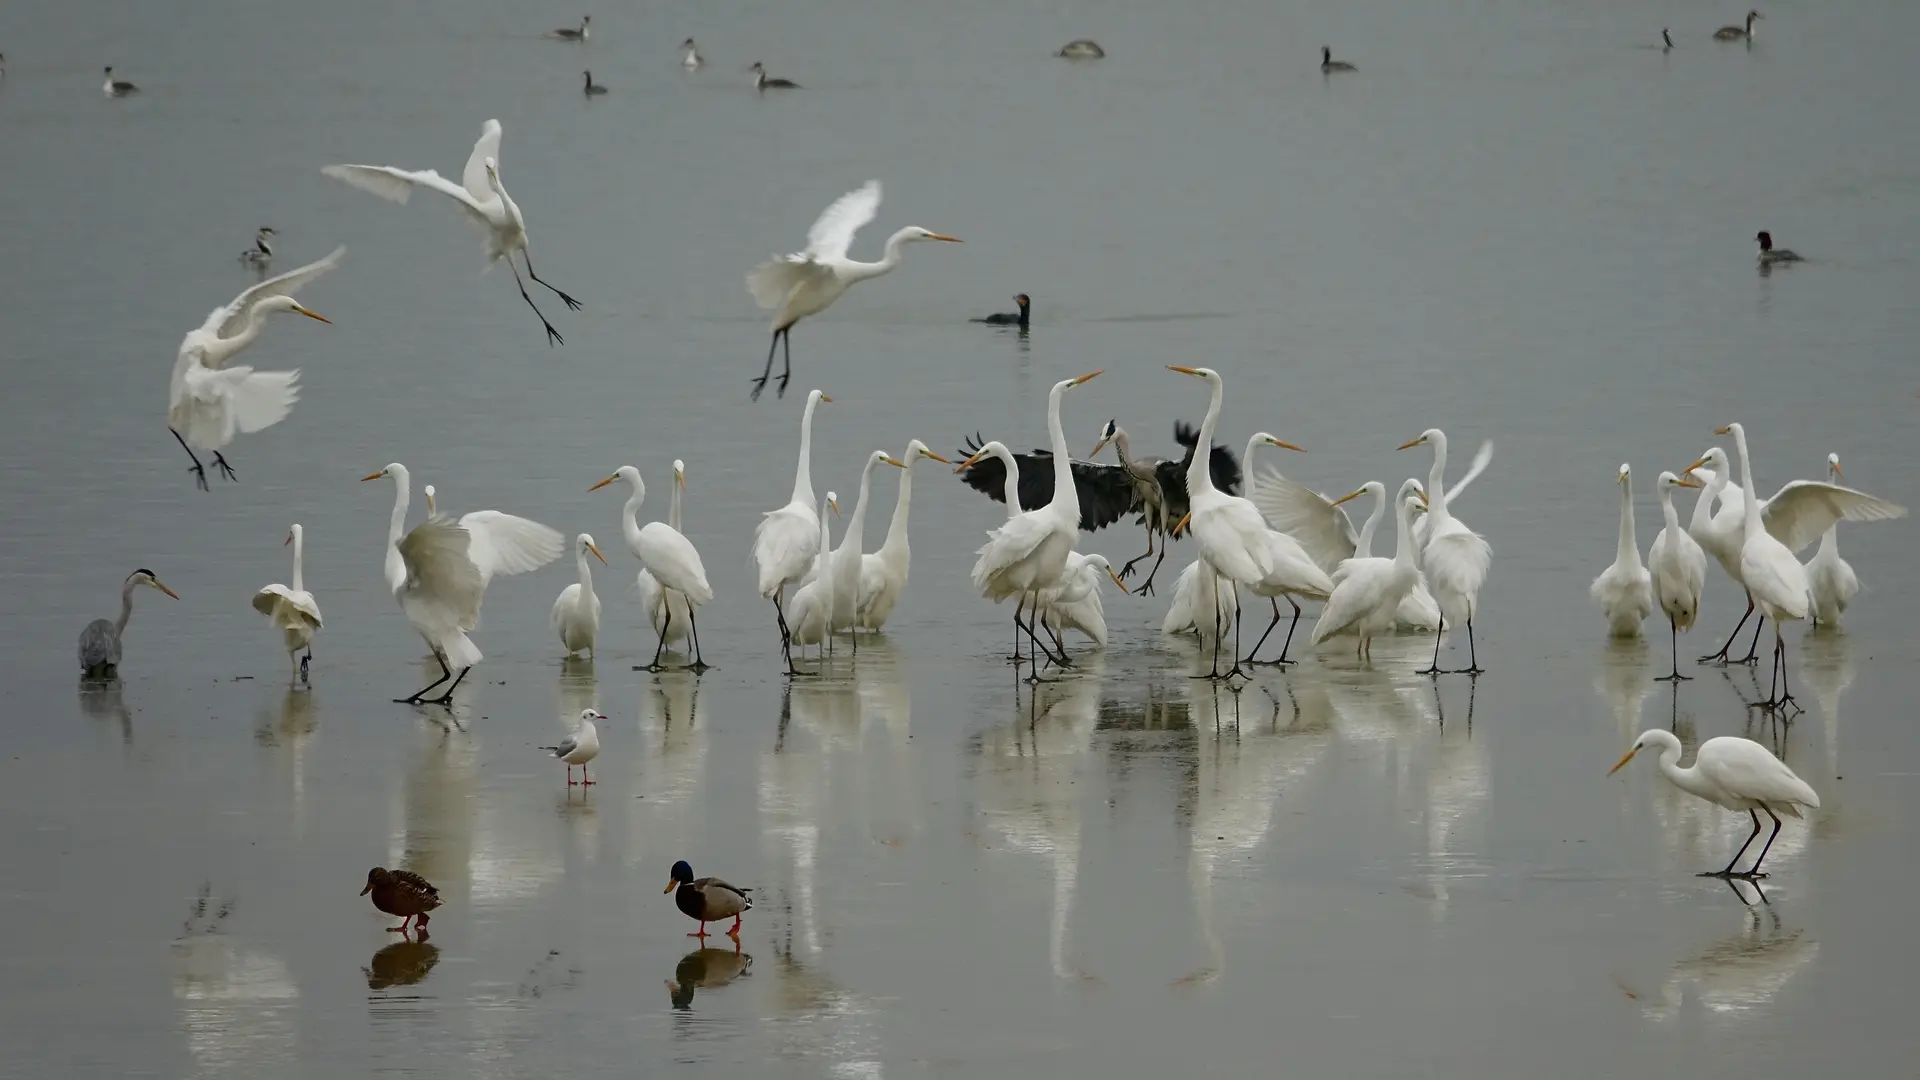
(1224, 466)
(267, 598)
(474, 177)
(832, 235)
(505, 544)
(227, 320)
(773, 281)
(1323, 529)
(1800, 512)
(1474, 468)
(1105, 491)
(439, 571)
(396, 185)
(215, 403)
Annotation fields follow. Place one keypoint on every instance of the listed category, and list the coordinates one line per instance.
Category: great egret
(1195, 606)
(1737, 33)
(261, 253)
(1021, 318)
(1157, 488)
(1074, 604)
(1679, 569)
(1329, 65)
(669, 556)
(762, 82)
(292, 608)
(480, 194)
(1832, 579)
(1735, 773)
(1233, 537)
(786, 540)
(1368, 591)
(208, 402)
(1454, 557)
(812, 622)
(576, 613)
(1774, 578)
(1029, 552)
(100, 641)
(1624, 590)
(576, 34)
(1326, 532)
(439, 572)
(807, 281)
(1010, 483)
(844, 566)
(690, 55)
(114, 88)
(666, 608)
(883, 574)
(1295, 574)
(591, 88)
(1773, 256)
(1081, 49)
(584, 744)
(708, 899)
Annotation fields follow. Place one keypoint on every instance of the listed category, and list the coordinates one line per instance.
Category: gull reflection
(706, 969)
(672, 751)
(1736, 978)
(239, 1005)
(796, 774)
(402, 963)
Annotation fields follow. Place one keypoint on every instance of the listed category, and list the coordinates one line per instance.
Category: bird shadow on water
(1737, 977)
(100, 699)
(706, 969)
(402, 963)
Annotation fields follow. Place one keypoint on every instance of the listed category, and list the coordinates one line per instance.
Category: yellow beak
(1688, 471)
(1086, 377)
(681, 479)
(1622, 763)
(1116, 580)
(669, 887)
(1349, 497)
(605, 482)
(164, 589)
(603, 562)
(1182, 370)
(944, 236)
(1181, 525)
(1724, 430)
(968, 464)
(1099, 446)
(312, 314)
(826, 397)
(1410, 444)
(1689, 482)
(928, 453)
(834, 505)
(895, 462)
(1285, 445)
(372, 476)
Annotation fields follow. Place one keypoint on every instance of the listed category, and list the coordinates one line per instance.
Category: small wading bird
(576, 612)
(404, 893)
(1018, 318)
(1624, 590)
(571, 33)
(292, 608)
(669, 556)
(208, 403)
(1679, 569)
(100, 641)
(480, 194)
(261, 253)
(114, 88)
(762, 82)
(707, 899)
(786, 540)
(583, 746)
(1735, 773)
(807, 282)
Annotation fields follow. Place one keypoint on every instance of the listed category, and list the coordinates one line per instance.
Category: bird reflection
(1624, 683)
(238, 1004)
(796, 774)
(706, 969)
(289, 724)
(100, 699)
(1826, 668)
(577, 689)
(1736, 978)
(815, 1018)
(402, 963)
(673, 752)
(886, 713)
(433, 831)
(1458, 786)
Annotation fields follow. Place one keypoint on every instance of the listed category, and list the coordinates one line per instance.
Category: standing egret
(100, 641)
(1738, 774)
(574, 34)
(1776, 580)
(1294, 575)
(1368, 591)
(292, 608)
(1195, 607)
(1010, 473)
(1832, 579)
(883, 574)
(440, 569)
(669, 556)
(1679, 569)
(576, 613)
(583, 745)
(787, 539)
(845, 565)
(812, 622)
(1326, 532)
(807, 281)
(1029, 552)
(114, 88)
(1075, 603)
(1454, 558)
(1233, 537)
(1624, 590)
(480, 193)
(208, 402)
(666, 609)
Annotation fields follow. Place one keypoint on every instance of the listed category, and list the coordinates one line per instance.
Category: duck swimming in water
(1328, 63)
(1009, 318)
(1735, 33)
(762, 82)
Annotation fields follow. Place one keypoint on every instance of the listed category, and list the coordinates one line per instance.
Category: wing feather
(474, 177)
(832, 234)
(1800, 512)
(504, 544)
(440, 572)
(226, 320)
(215, 404)
(773, 281)
(1321, 528)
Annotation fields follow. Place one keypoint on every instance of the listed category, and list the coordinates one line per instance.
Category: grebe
(567, 33)
(1770, 254)
(1666, 39)
(761, 82)
(1328, 63)
(1735, 33)
(114, 88)
(1081, 49)
(261, 253)
(691, 59)
(1007, 318)
(593, 89)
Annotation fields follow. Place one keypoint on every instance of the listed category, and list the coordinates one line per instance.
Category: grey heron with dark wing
(100, 641)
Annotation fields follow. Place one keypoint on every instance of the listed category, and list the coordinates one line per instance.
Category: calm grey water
(1516, 221)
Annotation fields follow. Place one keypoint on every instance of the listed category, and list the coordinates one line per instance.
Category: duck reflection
(239, 1005)
(100, 699)
(706, 969)
(402, 963)
(1736, 978)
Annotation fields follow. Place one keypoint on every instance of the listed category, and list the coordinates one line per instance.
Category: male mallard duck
(402, 892)
(708, 899)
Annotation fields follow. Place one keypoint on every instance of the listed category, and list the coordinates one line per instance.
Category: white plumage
(1196, 608)
(844, 565)
(291, 608)
(1624, 590)
(786, 540)
(1368, 591)
(812, 607)
(1738, 774)
(576, 613)
(1678, 566)
(1325, 531)
(1075, 603)
(883, 573)
(666, 608)
(583, 746)
(668, 555)
(1454, 557)
(1832, 580)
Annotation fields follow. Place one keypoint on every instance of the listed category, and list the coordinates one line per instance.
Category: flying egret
(576, 612)
(1832, 579)
(1454, 557)
(574, 34)
(812, 622)
(439, 572)
(583, 745)
(292, 608)
(669, 556)
(480, 193)
(100, 641)
(1679, 569)
(208, 402)
(883, 573)
(807, 281)
(1029, 552)
(787, 539)
(1624, 590)
(1368, 591)
(666, 608)
(1738, 774)
(114, 88)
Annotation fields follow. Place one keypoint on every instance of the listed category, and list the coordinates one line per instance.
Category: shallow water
(1512, 223)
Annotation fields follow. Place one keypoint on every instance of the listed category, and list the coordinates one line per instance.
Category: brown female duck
(404, 893)
(708, 899)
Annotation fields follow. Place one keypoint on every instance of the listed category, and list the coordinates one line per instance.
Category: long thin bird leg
(665, 626)
(1434, 668)
(1673, 634)
(553, 336)
(1721, 656)
(445, 674)
(693, 628)
(568, 300)
(220, 463)
(447, 698)
(1127, 570)
(1754, 871)
(786, 372)
(760, 383)
(1753, 647)
(1016, 659)
(199, 471)
(1735, 861)
(1473, 658)
(1236, 669)
(1263, 636)
(1146, 587)
(1780, 653)
(780, 618)
(1287, 644)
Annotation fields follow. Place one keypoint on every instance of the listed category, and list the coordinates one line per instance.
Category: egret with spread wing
(479, 194)
(1327, 533)
(808, 281)
(292, 608)
(1832, 578)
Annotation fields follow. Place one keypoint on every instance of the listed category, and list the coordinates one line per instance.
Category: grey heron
(100, 641)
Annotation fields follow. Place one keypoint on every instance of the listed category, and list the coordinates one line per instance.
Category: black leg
(199, 471)
(447, 698)
(760, 383)
(1434, 668)
(665, 626)
(1780, 654)
(1735, 861)
(1721, 656)
(1236, 668)
(1127, 570)
(1753, 647)
(1146, 587)
(1768, 846)
(553, 336)
(568, 300)
(220, 463)
(1673, 635)
(786, 372)
(1263, 636)
(445, 674)
(304, 661)
(1473, 657)
(1287, 644)
(693, 628)
(1016, 659)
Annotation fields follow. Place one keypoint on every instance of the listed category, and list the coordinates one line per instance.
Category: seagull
(583, 746)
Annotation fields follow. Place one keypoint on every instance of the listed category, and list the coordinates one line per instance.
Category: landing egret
(1074, 604)
(883, 574)
(786, 540)
(583, 745)
(570, 33)
(1029, 552)
(1679, 569)
(669, 556)
(1022, 318)
(1454, 558)
(1624, 590)
(1773, 256)
(690, 55)
(208, 402)
(439, 571)
(1368, 591)
(292, 608)
(762, 82)
(100, 641)
(1232, 535)
(1155, 487)
(1738, 774)
(576, 612)
(1738, 33)
(1295, 575)
(812, 622)
(666, 608)
(1832, 579)
(114, 88)
(480, 194)
(591, 88)
(1329, 65)
(261, 253)
(807, 281)
(844, 566)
